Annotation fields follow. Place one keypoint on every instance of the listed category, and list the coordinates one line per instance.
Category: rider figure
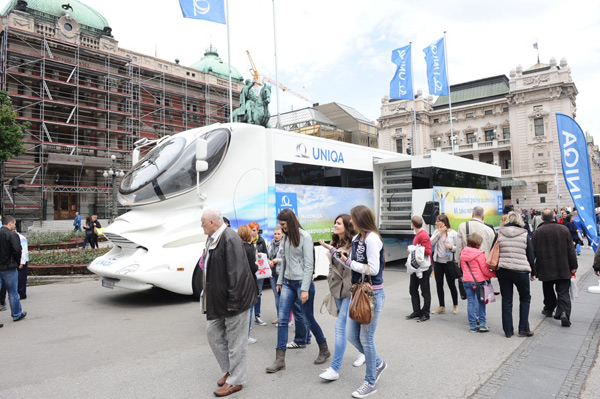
(248, 99)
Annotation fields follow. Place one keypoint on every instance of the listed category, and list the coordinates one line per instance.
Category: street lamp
(113, 171)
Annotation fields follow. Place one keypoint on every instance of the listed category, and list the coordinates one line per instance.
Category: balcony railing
(484, 145)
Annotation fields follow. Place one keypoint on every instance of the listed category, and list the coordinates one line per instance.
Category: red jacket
(422, 238)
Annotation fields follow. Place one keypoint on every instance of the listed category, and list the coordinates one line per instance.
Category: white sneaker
(330, 374)
(259, 321)
(360, 360)
(252, 340)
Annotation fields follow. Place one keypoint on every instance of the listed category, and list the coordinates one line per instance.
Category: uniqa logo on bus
(320, 154)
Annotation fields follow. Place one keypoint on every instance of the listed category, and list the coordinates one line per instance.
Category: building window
(542, 200)
(489, 135)
(505, 109)
(399, 146)
(68, 27)
(506, 133)
(437, 142)
(471, 138)
(542, 188)
(469, 115)
(538, 124)
(436, 120)
(488, 112)
(538, 108)
(540, 154)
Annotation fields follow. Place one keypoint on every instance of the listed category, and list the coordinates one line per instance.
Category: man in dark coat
(229, 292)
(10, 258)
(555, 261)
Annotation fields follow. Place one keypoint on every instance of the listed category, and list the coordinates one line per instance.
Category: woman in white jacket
(443, 242)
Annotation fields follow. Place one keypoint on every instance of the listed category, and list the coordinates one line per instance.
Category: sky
(340, 50)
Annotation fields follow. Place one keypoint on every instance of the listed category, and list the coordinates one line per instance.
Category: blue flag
(209, 10)
(401, 85)
(435, 58)
(577, 172)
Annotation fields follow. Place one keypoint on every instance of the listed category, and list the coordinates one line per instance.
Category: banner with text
(458, 203)
(577, 172)
(401, 87)
(435, 58)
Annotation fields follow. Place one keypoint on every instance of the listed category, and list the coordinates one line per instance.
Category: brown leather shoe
(525, 333)
(223, 379)
(227, 390)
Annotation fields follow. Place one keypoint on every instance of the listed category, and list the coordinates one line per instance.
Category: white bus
(251, 173)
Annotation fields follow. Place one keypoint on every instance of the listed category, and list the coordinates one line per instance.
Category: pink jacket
(476, 259)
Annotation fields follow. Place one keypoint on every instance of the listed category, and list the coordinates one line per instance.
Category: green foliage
(11, 133)
(67, 257)
(53, 238)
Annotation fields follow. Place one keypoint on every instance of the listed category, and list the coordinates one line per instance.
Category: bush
(68, 257)
(53, 238)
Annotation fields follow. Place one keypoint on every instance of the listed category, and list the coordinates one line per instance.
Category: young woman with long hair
(444, 241)
(366, 257)
(295, 281)
(339, 279)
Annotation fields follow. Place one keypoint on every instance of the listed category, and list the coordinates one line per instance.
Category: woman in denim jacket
(366, 257)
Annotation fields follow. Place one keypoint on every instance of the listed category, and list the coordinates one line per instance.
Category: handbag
(490, 296)
(493, 257)
(362, 308)
(264, 270)
(330, 305)
(479, 287)
(454, 269)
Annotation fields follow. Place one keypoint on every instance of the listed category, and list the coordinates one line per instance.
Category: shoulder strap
(467, 229)
(474, 279)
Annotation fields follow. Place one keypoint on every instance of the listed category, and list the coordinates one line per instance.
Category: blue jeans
(362, 336)
(290, 291)
(475, 307)
(340, 333)
(87, 238)
(10, 278)
(260, 282)
(506, 279)
(274, 288)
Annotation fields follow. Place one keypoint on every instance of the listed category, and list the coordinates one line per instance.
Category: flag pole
(537, 47)
(229, 64)
(412, 77)
(278, 126)
(449, 93)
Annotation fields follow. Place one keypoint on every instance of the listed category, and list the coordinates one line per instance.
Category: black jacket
(10, 249)
(229, 281)
(251, 255)
(261, 245)
(554, 252)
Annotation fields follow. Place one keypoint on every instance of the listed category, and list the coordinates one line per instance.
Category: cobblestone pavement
(556, 361)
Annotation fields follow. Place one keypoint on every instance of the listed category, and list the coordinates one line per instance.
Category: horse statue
(254, 110)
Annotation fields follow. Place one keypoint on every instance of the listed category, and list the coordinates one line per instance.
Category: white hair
(215, 215)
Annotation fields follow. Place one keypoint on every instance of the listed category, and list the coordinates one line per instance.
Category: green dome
(82, 13)
(213, 64)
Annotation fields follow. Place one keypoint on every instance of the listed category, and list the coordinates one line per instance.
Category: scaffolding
(84, 105)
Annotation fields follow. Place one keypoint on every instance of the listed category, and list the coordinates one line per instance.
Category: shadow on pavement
(154, 297)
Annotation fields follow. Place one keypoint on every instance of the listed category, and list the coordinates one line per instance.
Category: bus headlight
(128, 269)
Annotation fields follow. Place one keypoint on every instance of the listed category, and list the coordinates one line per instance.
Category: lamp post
(113, 171)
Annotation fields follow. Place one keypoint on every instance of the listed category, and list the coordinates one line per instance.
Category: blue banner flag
(209, 10)
(435, 58)
(401, 87)
(577, 172)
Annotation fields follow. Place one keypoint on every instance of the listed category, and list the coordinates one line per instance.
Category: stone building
(87, 101)
(333, 121)
(505, 121)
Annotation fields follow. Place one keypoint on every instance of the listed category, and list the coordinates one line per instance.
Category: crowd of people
(459, 259)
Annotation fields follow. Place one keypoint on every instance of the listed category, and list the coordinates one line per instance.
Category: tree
(11, 138)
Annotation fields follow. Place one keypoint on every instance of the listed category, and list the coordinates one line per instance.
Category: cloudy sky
(339, 50)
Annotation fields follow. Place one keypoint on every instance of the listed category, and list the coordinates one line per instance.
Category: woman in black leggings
(443, 242)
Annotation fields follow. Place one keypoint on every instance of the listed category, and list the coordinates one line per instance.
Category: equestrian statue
(253, 110)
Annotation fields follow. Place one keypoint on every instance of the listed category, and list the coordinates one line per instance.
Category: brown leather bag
(362, 309)
(493, 257)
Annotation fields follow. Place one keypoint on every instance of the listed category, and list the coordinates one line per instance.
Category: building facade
(505, 121)
(332, 121)
(88, 101)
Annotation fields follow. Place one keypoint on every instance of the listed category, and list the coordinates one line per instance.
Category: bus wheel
(197, 283)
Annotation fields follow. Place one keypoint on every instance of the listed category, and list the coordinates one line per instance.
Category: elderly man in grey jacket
(475, 225)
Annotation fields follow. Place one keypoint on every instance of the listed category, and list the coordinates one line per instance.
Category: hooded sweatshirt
(476, 259)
